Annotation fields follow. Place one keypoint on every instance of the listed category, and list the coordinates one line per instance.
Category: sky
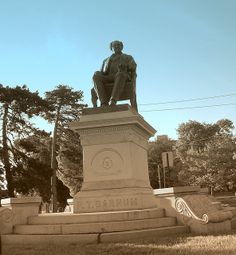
(184, 49)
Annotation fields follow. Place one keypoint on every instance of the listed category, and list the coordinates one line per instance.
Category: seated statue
(116, 80)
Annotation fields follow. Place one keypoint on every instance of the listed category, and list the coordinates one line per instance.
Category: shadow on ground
(171, 245)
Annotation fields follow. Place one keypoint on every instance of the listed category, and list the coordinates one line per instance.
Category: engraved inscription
(109, 204)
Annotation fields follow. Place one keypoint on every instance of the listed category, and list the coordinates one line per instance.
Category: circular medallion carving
(107, 162)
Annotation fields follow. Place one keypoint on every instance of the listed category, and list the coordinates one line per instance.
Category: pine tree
(18, 105)
(70, 168)
(32, 172)
(66, 106)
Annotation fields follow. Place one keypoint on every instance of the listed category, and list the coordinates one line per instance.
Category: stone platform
(95, 222)
(70, 239)
(94, 227)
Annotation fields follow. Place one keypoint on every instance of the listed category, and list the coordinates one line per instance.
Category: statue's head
(116, 46)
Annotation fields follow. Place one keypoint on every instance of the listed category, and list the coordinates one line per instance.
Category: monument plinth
(114, 141)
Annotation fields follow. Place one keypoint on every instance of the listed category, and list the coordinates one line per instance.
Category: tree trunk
(53, 163)
(6, 158)
(212, 192)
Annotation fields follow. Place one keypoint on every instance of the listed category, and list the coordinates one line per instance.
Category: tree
(18, 105)
(67, 106)
(161, 144)
(1, 168)
(32, 172)
(207, 152)
(1, 171)
(70, 168)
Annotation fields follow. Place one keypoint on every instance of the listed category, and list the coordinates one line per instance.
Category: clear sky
(184, 49)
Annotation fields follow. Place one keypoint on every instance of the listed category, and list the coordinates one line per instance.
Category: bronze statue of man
(118, 69)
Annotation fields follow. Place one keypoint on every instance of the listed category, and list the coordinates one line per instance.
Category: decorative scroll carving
(182, 207)
(205, 211)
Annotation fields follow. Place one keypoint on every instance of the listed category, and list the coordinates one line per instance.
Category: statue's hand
(122, 67)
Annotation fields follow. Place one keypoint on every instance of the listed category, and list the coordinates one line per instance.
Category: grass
(175, 245)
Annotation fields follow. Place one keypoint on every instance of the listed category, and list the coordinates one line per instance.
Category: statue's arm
(105, 65)
(132, 68)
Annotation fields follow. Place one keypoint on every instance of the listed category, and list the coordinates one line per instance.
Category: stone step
(232, 209)
(229, 203)
(233, 223)
(141, 234)
(14, 239)
(229, 200)
(70, 218)
(97, 227)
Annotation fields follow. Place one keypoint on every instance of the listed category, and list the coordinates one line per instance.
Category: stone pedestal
(6, 220)
(22, 208)
(114, 141)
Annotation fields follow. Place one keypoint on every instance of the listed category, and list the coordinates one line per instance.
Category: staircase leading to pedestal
(227, 200)
(233, 220)
(229, 203)
(94, 227)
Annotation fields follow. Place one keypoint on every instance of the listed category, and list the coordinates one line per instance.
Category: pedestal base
(114, 200)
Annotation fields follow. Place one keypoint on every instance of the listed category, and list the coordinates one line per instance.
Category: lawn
(175, 245)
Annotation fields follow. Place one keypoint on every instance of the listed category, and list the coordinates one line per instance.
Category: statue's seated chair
(129, 93)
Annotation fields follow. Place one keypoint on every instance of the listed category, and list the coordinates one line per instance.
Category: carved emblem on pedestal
(107, 162)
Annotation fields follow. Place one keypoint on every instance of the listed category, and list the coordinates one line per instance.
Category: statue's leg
(133, 102)
(99, 85)
(94, 97)
(119, 84)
